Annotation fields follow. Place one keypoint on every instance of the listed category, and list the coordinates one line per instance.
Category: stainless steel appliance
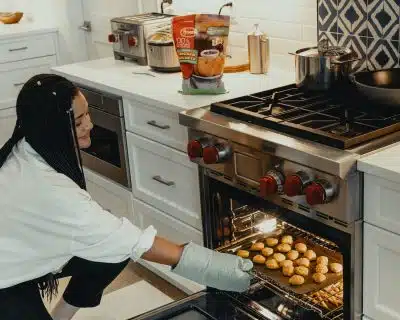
(108, 153)
(322, 67)
(129, 35)
(161, 51)
(284, 161)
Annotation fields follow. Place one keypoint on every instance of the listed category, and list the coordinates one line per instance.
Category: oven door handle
(157, 125)
(163, 181)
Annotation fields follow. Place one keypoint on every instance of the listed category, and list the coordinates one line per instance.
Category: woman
(51, 228)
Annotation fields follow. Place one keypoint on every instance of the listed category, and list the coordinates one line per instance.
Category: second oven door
(107, 154)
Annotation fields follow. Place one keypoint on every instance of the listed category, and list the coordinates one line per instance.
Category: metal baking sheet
(277, 276)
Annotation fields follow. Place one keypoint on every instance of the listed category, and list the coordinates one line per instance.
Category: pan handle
(345, 61)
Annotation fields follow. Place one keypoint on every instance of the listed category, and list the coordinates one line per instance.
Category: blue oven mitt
(213, 269)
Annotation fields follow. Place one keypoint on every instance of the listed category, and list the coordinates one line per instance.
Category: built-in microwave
(108, 153)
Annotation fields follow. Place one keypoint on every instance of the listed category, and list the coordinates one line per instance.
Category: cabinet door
(8, 117)
(109, 195)
(165, 178)
(382, 203)
(381, 273)
(14, 75)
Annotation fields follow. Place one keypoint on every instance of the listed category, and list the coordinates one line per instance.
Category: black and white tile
(371, 28)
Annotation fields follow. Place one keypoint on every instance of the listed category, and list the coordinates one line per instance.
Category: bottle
(258, 46)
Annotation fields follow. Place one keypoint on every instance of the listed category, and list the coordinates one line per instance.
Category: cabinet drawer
(165, 178)
(8, 117)
(109, 195)
(27, 48)
(382, 203)
(14, 75)
(381, 273)
(156, 124)
(167, 227)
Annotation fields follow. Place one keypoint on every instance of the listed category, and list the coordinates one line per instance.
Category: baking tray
(276, 275)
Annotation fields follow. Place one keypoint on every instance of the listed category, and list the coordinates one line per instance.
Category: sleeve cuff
(144, 244)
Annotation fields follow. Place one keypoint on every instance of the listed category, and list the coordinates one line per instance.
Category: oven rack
(301, 300)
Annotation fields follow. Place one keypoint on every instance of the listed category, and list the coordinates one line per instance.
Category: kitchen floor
(133, 274)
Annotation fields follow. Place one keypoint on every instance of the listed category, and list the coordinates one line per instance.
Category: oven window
(105, 146)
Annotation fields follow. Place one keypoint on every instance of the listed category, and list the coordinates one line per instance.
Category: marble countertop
(162, 89)
(384, 163)
(10, 31)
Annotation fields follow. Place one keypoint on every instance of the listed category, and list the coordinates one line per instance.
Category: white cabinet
(366, 318)
(8, 117)
(173, 230)
(381, 289)
(109, 195)
(13, 76)
(165, 178)
(382, 203)
(155, 123)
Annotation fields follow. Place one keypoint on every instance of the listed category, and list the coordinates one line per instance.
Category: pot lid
(161, 36)
(335, 52)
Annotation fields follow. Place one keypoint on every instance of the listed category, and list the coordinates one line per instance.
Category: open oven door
(206, 305)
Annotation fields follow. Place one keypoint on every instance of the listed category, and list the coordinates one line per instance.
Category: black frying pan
(382, 86)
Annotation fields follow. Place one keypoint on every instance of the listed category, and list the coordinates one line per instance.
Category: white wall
(291, 24)
(66, 15)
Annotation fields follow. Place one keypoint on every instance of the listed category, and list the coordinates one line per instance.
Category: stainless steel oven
(107, 154)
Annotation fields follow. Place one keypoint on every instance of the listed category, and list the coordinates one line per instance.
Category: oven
(235, 216)
(107, 155)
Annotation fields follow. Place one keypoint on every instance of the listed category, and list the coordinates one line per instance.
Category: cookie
(296, 280)
(301, 247)
(287, 240)
(319, 277)
(292, 255)
(336, 267)
(258, 246)
(243, 253)
(303, 262)
(267, 251)
(259, 259)
(302, 271)
(322, 260)
(272, 264)
(310, 255)
(288, 271)
(321, 268)
(271, 242)
(283, 247)
(286, 263)
(279, 257)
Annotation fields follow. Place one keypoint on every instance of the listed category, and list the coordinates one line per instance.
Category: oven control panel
(284, 182)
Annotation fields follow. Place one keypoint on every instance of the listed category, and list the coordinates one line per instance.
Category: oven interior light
(267, 225)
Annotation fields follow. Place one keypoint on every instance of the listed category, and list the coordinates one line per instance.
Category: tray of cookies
(294, 261)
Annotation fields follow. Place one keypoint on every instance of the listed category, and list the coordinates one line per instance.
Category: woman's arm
(164, 252)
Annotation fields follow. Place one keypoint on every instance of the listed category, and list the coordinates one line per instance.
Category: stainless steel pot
(319, 69)
(161, 52)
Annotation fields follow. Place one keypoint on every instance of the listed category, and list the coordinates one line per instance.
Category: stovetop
(339, 118)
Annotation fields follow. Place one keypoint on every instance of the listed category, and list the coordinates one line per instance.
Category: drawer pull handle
(160, 126)
(19, 84)
(18, 49)
(165, 182)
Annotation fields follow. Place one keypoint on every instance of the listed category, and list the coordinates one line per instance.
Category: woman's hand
(218, 270)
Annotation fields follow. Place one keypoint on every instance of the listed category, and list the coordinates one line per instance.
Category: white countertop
(11, 31)
(162, 90)
(384, 164)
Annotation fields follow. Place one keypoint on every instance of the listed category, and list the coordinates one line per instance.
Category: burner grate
(340, 119)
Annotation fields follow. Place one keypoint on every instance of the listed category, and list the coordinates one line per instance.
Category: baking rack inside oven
(317, 301)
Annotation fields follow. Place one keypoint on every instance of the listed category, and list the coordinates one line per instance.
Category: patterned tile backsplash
(370, 27)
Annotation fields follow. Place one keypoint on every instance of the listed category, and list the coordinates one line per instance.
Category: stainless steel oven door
(107, 154)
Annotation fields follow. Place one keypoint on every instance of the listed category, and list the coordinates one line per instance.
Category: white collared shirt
(46, 219)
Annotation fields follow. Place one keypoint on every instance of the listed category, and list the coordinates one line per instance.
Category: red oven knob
(295, 184)
(216, 154)
(319, 192)
(271, 183)
(132, 41)
(112, 38)
(194, 149)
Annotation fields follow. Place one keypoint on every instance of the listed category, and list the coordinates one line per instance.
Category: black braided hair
(46, 120)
